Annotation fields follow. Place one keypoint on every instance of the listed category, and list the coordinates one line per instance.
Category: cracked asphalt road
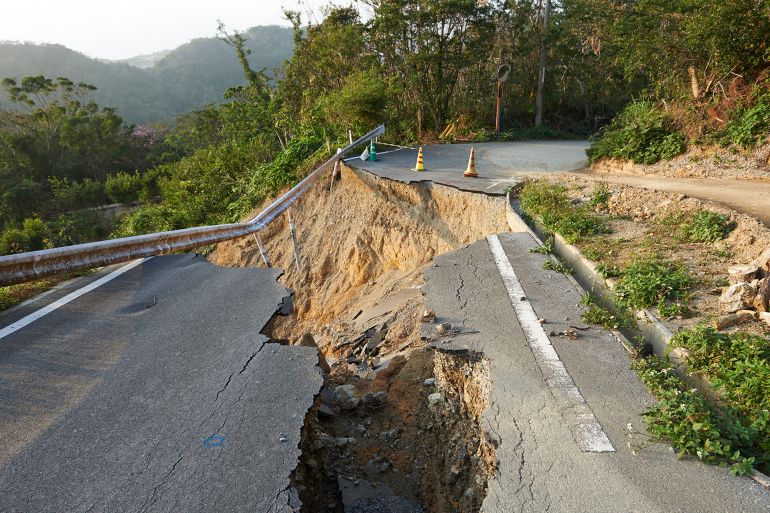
(155, 392)
(540, 465)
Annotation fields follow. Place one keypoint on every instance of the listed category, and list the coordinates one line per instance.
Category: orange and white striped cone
(471, 170)
(419, 166)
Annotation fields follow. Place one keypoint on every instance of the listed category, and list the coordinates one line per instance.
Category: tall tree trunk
(543, 60)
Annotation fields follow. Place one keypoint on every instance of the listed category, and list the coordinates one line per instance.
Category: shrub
(601, 195)
(694, 427)
(33, 235)
(73, 195)
(706, 226)
(647, 283)
(641, 133)
(124, 187)
(751, 125)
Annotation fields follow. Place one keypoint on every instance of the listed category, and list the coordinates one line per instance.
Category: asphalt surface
(498, 164)
(107, 406)
(541, 464)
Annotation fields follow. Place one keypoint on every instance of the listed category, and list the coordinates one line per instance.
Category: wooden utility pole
(543, 60)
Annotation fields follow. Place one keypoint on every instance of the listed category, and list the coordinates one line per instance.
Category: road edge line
(588, 433)
(29, 319)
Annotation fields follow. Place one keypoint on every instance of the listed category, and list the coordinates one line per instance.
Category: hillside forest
(644, 79)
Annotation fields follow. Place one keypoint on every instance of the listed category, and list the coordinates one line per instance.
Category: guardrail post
(335, 171)
(265, 258)
(294, 239)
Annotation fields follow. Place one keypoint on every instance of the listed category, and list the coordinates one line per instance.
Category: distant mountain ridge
(143, 61)
(188, 77)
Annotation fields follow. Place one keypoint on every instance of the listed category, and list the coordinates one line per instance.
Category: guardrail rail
(23, 267)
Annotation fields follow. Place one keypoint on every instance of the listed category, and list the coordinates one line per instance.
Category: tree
(541, 68)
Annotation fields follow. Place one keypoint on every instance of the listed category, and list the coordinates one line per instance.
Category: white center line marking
(16, 326)
(588, 433)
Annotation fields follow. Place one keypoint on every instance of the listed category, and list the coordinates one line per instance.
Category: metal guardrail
(37, 264)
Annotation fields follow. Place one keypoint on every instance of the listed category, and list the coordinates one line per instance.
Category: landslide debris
(396, 426)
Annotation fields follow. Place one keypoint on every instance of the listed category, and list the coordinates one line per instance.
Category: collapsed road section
(440, 395)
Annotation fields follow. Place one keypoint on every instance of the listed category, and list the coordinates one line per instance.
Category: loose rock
(434, 398)
(737, 297)
(429, 382)
(762, 299)
(763, 260)
(743, 272)
(376, 400)
(733, 319)
(346, 397)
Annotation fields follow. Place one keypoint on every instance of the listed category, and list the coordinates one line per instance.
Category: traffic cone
(471, 170)
(365, 154)
(419, 166)
(372, 152)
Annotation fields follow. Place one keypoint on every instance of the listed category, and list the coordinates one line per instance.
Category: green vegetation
(714, 434)
(662, 284)
(550, 265)
(545, 249)
(549, 203)
(596, 314)
(706, 226)
(600, 196)
(641, 133)
(751, 123)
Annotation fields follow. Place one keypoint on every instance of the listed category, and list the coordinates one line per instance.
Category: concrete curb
(648, 326)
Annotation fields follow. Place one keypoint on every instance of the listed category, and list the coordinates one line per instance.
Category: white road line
(16, 326)
(588, 433)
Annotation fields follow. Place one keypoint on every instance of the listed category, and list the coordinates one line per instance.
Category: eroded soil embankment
(396, 423)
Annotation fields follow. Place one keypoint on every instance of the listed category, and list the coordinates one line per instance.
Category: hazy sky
(116, 29)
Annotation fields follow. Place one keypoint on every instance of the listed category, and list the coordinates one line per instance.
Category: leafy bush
(694, 427)
(647, 283)
(73, 195)
(706, 226)
(601, 195)
(641, 133)
(751, 125)
(737, 364)
(124, 187)
(595, 314)
(33, 235)
(219, 184)
(550, 203)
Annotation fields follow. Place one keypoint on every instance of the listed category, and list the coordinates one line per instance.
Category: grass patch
(549, 203)
(545, 249)
(706, 226)
(595, 314)
(550, 265)
(12, 295)
(696, 428)
(647, 283)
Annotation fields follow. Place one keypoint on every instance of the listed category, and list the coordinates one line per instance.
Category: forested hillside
(189, 77)
(680, 73)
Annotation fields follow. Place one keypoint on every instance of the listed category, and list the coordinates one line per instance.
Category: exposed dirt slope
(368, 233)
(713, 163)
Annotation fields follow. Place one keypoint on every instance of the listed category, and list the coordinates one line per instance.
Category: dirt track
(747, 197)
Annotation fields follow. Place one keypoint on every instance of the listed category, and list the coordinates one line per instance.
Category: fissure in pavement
(396, 426)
